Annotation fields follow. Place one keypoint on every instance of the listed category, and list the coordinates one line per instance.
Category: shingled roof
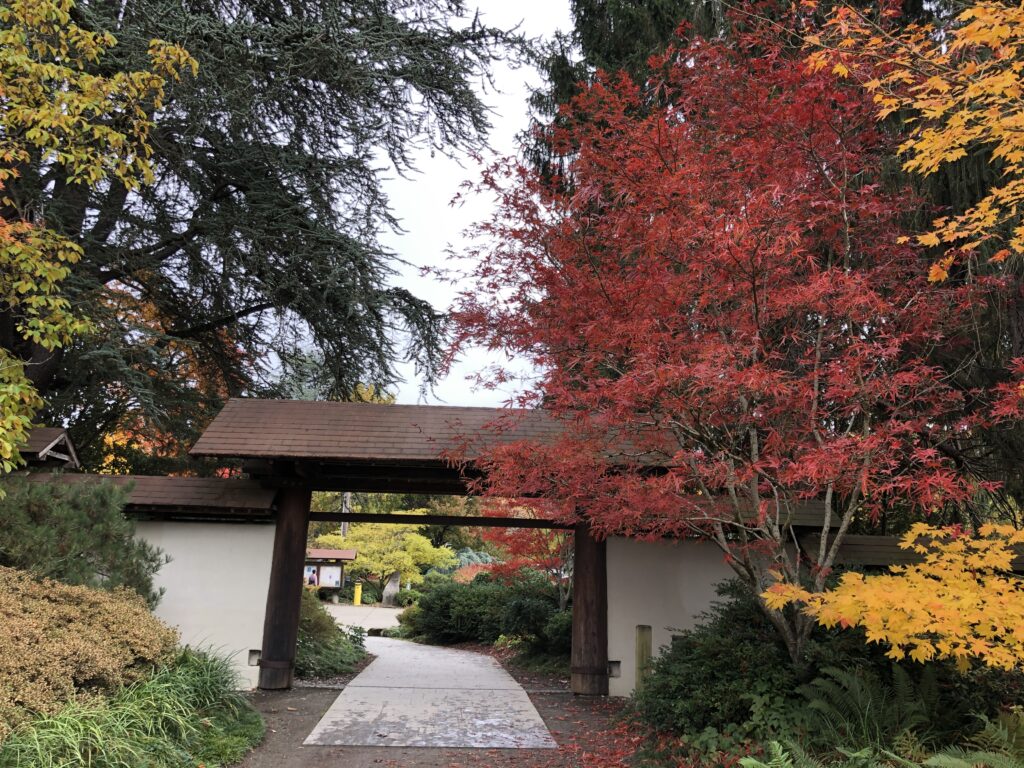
(50, 445)
(371, 432)
(200, 498)
(315, 553)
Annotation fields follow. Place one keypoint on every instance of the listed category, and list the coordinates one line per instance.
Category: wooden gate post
(281, 622)
(589, 615)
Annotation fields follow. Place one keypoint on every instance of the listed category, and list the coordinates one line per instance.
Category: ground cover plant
(60, 642)
(324, 649)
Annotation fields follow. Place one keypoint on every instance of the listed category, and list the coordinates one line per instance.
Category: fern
(999, 744)
(778, 757)
(858, 708)
(957, 757)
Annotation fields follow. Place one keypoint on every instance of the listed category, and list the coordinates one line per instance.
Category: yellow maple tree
(960, 88)
(56, 112)
(961, 602)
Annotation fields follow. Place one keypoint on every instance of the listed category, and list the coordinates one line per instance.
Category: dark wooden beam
(589, 661)
(474, 521)
(364, 477)
(281, 622)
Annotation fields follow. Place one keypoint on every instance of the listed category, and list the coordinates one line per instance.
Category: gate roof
(364, 432)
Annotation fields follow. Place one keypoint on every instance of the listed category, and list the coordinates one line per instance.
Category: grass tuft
(188, 712)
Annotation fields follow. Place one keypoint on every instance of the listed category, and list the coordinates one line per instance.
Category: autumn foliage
(960, 91)
(962, 602)
(728, 317)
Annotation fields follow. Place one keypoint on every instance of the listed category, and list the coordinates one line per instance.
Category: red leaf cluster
(722, 301)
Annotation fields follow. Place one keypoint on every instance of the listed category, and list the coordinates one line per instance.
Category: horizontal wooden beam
(476, 521)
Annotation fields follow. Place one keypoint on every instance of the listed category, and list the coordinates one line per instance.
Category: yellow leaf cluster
(961, 602)
(55, 112)
(960, 90)
(59, 642)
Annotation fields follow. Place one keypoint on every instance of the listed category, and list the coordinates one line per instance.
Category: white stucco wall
(664, 585)
(215, 585)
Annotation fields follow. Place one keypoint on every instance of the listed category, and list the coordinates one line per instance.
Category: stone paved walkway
(423, 696)
(365, 616)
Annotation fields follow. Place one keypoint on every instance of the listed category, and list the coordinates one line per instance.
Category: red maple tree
(725, 317)
(545, 550)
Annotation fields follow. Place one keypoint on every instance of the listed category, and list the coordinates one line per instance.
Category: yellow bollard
(357, 594)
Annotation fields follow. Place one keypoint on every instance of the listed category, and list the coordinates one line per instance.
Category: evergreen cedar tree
(258, 237)
(724, 311)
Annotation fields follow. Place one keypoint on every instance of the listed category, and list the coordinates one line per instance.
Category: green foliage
(385, 548)
(75, 533)
(485, 609)
(558, 633)
(706, 685)
(324, 649)
(857, 707)
(456, 613)
(187, 712)
(1000, 744)
(527, 617)
(729, 681)
(407, 597)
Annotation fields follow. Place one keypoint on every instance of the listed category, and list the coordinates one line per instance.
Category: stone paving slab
(423, 696)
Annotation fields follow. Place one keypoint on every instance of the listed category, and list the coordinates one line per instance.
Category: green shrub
(706, 679)
(558, 633)
(370, 594)
(324, 649)
(75, 532)
(482, 610)
(59, 641)
(406, 597)
(187, 712)
(526, 617)
(452, 613)
(729, 681)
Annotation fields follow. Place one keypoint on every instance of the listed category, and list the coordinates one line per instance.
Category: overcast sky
(431, 225)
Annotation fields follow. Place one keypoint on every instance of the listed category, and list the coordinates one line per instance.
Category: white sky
(421, 201)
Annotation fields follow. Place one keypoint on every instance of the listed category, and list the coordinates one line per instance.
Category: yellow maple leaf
(939, 271)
